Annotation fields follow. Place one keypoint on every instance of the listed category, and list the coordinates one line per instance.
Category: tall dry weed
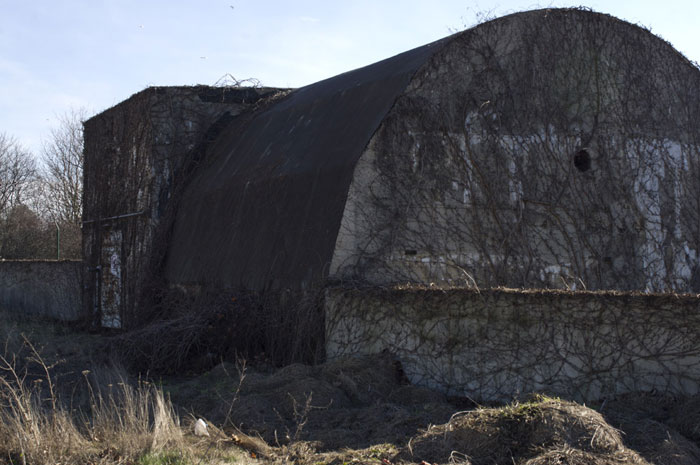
(134, 418)
(122, 423)
(34, 428)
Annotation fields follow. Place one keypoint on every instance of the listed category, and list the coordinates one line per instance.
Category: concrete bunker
(448, 165)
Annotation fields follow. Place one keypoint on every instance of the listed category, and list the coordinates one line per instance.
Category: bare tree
(62, 181)
(21, 230)
(17, 172)
(62, 155)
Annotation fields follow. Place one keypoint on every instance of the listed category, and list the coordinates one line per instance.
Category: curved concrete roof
(264, 211)
(267, 208)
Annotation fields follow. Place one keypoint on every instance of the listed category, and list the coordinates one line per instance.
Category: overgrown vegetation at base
(121, 421)
(60, 405)
(192, 332)
(68, 401)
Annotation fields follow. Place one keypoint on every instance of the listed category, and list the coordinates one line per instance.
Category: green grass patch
(163, 458)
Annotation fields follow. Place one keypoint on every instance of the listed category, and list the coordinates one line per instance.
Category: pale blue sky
(57, 55)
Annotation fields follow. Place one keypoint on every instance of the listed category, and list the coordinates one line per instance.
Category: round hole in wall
(582, 160)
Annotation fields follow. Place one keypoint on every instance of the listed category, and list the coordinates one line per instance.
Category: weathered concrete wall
(139, 155)
(494, 344)
(41, 287)
(528, 153)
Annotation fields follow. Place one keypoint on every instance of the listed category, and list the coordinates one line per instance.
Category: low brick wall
(41, 287)
(496, 344)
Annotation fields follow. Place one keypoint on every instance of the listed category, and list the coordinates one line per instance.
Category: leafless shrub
(301, 415)
(200, 331)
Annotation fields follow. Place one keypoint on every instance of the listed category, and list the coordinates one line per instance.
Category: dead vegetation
(362, 411)
(541, 431)
(193, 332)
(58, 407)
(120, 422)
(61, 404)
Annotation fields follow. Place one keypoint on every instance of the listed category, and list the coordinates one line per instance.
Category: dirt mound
(663, 429)
(660, 444)
(542, 431)
(344, 410)
(363, 410)
(353, 402)
(570, 456)
(685, 418)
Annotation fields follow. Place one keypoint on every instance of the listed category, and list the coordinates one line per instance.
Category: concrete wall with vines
(139, 155)
(496, 344)
(554, 148)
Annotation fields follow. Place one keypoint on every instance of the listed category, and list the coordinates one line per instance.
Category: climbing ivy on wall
(555, 148)
(496, 344)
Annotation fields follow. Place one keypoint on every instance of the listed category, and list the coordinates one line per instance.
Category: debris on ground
(363, 410)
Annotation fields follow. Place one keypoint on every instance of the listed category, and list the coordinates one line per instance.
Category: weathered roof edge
(205, 92)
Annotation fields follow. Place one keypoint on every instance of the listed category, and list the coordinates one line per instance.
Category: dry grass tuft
(519, 432)
(571, 456)
(131, 420)
(123, 422)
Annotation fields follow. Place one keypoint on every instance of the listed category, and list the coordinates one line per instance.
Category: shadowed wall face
(139, 155)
